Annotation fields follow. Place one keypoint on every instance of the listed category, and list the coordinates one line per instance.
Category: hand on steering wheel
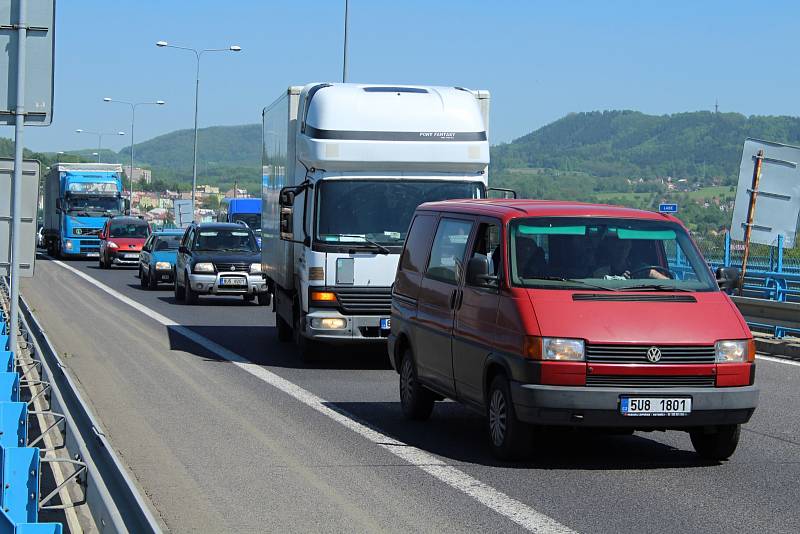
(647, 268)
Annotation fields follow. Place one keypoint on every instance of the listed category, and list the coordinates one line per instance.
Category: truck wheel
(509, 437)
(189, 294)
(718, 444)
(264, 299)
(415, 400)
(284, 330)
(179, 291)
(307, 347)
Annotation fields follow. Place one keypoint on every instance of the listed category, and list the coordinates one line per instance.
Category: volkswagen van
(543, 314)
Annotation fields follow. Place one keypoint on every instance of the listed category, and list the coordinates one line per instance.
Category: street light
(133, 106)
(99, 138)
(198, 54)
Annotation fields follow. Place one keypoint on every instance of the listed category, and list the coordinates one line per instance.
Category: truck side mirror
(58, 205)
(728, 278)
(286, 222)
(286, 197)
(478, 272)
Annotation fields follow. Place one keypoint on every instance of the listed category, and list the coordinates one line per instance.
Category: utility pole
(346, 24)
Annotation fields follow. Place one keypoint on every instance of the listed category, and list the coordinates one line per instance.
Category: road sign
(183, 213)
(40, 46)
(668, 208)
(30, 203)
(778, 198)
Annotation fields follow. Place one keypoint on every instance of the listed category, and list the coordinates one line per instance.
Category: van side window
(447, 256)
(418, 243)
(487, 244)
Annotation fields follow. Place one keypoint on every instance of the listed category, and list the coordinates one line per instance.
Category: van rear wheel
(717, 444)
(415, 400)
(509, 437)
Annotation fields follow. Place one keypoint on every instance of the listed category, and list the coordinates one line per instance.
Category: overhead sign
(668, 208)
(778, 200)
(39, 52)
(183, 213)
(30, 202)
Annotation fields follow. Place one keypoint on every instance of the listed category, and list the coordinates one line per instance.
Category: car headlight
(68, 244)
(204, 267)
(111, 244)
(163, 266)
(735, 351)
(554, 349)
(255, 268)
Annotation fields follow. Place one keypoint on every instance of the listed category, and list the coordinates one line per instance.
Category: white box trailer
(344, 167)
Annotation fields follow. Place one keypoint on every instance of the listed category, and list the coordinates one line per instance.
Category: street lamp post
(198, 53)
(133, 106)
(99, 138)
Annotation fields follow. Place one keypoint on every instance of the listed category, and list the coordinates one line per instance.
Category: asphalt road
(217, 449)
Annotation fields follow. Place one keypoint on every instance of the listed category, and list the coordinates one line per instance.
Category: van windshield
(379, 211)
(612, 254)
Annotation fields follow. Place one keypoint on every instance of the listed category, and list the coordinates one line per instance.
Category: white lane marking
(778, 360)
(496, 500)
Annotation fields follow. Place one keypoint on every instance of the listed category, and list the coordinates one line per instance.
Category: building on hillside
(207, 190)
(139, 174)
(237, 193)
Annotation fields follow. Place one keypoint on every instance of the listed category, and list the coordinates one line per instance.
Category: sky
(540, 59)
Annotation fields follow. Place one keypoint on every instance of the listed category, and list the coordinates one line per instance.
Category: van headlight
(255, 268)
(735, 351)
(204, 267)
(562, 349)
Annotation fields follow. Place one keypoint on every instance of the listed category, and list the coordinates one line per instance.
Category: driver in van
(614, 255)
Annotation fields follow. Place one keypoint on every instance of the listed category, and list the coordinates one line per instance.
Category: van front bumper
(357, 328)
(599, 407)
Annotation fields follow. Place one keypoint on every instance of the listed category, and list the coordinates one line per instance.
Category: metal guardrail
(106, 489)
(778, 317)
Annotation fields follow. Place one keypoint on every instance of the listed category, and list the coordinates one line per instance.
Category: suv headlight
(255, 268)
(163, 266)
(204, 267)
(735, 351)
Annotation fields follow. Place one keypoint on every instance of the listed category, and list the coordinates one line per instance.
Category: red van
(540, 313)
(121, 241)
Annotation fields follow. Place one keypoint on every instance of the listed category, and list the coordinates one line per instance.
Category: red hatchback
(545, 314)
(121, 241)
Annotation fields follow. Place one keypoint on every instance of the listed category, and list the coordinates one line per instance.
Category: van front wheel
(415, 399)
(718, 444)
(509, 437)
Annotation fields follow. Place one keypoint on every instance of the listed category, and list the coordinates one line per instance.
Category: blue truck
(79, 197)
(243, 210)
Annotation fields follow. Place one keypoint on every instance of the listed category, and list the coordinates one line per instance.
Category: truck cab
(345, 167)
(245, 211)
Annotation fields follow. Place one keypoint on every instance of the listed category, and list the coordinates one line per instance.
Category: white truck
(344, 167)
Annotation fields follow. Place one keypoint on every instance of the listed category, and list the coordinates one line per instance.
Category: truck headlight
(163, 266)
(68, 244)
(204, 267)
(329, 323)
(255, 268)
(735, 351)
(561, 349)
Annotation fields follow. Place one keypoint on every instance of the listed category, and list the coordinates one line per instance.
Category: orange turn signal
(323, 296)
(751, 350)
(532, 347)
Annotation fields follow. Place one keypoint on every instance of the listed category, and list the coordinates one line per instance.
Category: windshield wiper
(655, 287)
(572, 281)
(373, 244)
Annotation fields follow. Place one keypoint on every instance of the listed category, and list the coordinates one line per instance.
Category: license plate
(386, 324)
(131, 256)
(165, 277)
(655, 406)
(92, 254)
(233, 282)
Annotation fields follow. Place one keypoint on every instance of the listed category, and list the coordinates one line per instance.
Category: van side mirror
(478, 272)
(728, 278)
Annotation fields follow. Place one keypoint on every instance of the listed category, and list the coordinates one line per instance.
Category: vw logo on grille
(233, 267)
(653, 354)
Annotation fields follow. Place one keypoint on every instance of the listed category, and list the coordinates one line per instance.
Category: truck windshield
(611, 254)
(379, 211)
(252, 220)
(93, 206)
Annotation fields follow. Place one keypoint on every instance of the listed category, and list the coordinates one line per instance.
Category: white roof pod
(351, 127)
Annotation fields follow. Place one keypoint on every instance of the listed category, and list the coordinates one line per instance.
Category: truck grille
(649, 381)
(638, 353)
(236, 267)
(365, 300)
(87, 232)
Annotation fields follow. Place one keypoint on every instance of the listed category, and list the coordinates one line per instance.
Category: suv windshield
(130, 230)
(379, 211)
(612, 254)
(92, 206)
(226, 240)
